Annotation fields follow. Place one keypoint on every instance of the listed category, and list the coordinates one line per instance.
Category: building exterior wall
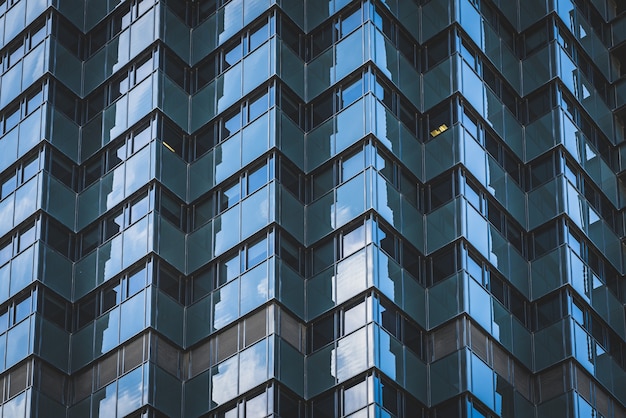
(368, 208)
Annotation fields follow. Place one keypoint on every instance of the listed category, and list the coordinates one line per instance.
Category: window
(107, 298)
(118, 152)
(396, 34)
(291, 35)
(232, 52)
(17, 111)
(18, 309)
(231, 265)
(21, 239)
(171, 209)
(58, 237)
(123, 17)
(291, 252)
(332, 31)
(171, 282)
(116, 220)
(395, 102)
(231, 193)
(22, 45)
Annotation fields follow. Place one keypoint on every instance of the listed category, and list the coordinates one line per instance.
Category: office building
(255, 208)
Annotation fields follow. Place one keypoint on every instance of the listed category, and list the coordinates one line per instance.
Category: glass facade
(312, 209)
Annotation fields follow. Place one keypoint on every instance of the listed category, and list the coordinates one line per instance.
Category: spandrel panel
(291, 289)
(225, 305)
(22, 271)
(52, 343)
(542, 204)
(114, 120)
(15, 19)
(142, 33)
(350, 201)
(256, 68)
(352, 275)
(473, 88)
(6, 212)
(8, 148)
(175, 102)
(320, 144)
(64, 133)
(107, 332)
(227, 157)
(198, 321)
(226, 88)
(546, 273)
(291, 367)
(388, 202)
(476, 230)
(229, 20)
(256, 137)
(482, 381)
(351, 355)
(19, 343)
(173, 171)
(177, 35)
(27, 199)
(5, 277)
(112, 188)
(35, 65)
(440, 152)
(536, 70)
(387, 128)
(291, 214)
(130, 389)
(109, 259)
(501, 325)
(321, 373)
(474, 157)
(253, 366)
(255, 212)
(389, 278)
(499, 250)
(320, 293)
(348, 55)
(82, 346)
(224, 379)
(291, 69)
(201, 176)
(320, 215)
(447, 377)
(319, 74)
(117, 52)
(226, 230)
(30, 132)
(444, 301)
(199, 247)
(435, 17)
(391, 360)
(11, 84)
(172, 244)
(471, 21)
(169, 317)
(583, 347)
(140, 101)
(135, 242)
(255, 288)
(350, 126)
(479, 304)
(54, 270)
(440, 230)
(203, 106)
